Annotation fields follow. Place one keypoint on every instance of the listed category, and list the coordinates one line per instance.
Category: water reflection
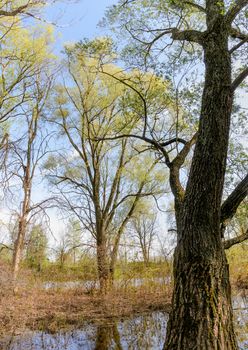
(240, 306)
(141, 332)
(92, 284)
(108, 337)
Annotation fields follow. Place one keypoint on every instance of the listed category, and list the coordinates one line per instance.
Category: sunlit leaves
(24, 53)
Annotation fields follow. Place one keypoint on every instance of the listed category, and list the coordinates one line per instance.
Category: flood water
(88, 285)
(146, 332)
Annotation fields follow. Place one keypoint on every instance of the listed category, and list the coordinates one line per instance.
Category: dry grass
(49, 310)
(33, 308)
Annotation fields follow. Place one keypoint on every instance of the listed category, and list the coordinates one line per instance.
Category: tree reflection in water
(108, 337)
(146, 332)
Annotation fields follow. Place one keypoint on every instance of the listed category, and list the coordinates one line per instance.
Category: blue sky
(77, 19)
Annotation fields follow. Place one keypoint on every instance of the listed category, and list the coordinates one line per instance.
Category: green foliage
(24, 53)
(36, 252)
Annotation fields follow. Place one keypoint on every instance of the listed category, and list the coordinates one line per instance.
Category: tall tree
(97, 179)
(201, 316)
(27, 152)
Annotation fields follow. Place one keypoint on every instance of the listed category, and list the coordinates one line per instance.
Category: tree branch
(18, 10)
(176, 164)
(241, 43)
(231, 204)
(156, 144)
(180, 158)
(189, 35)
(174, 140)
(235, 9)
(237, 34)
(196, 6)
(236, 240)
(22, 8)
(240, 78)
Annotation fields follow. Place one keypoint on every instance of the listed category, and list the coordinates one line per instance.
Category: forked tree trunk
(201, 317)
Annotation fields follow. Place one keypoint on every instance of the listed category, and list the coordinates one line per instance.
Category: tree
(26, 8)
(36, 247)
(62, 250)
(201, 316)
(21, 53)
(97, 179)
(144, 230)
(74, 237)
(27, 152)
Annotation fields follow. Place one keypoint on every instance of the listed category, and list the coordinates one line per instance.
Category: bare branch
(174, 140)
(196, 6)
(188, 35)
(4, 246)
(240, 78)
(235, 9)
(127, 2)
(241, 43)
(237, 34)
(231, 204)
(236, 240)
(153, 142)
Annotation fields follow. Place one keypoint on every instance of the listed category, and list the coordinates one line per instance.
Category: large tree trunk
(202, 312)
(201, 316)
(102, 264)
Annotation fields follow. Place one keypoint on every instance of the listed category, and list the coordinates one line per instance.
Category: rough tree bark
(102, 261)
(202, 316)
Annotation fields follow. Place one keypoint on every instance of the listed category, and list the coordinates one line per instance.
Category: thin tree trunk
(18, 247)
(202, 317)
(19, 243)
(114, 255)
(145, 254)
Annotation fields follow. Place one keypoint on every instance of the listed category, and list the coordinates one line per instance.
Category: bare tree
(144, 229)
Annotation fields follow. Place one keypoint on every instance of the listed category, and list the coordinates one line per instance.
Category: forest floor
(50, 310)
(33, 307)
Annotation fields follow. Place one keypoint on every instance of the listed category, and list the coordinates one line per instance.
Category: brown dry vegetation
(35, 308)
(49, 310)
